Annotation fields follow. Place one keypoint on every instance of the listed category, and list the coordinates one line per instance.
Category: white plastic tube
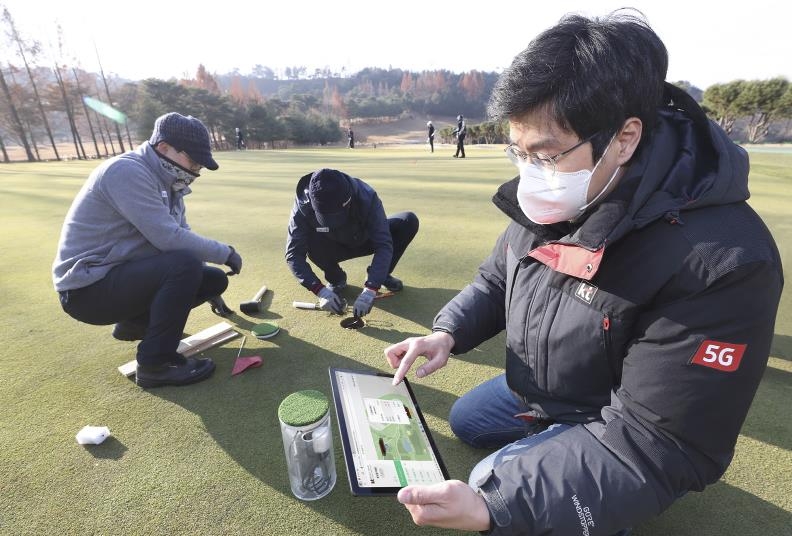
(305, 305)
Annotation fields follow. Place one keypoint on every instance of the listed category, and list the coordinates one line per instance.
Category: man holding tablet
(637, 289)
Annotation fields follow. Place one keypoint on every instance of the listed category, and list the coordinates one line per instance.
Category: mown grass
(208, 459)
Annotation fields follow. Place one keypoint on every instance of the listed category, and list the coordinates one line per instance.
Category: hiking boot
(127, 331)
(393, 284)
(179, 371)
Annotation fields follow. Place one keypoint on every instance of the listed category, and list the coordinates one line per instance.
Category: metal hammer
(253, 306)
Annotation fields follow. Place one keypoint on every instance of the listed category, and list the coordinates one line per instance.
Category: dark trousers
(326, 255)
(431, 143)
(460, 150)
(157, 292)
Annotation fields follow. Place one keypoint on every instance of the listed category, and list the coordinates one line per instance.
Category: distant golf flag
(105, 109)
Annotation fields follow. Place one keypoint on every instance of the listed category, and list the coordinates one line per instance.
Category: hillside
(405, 130)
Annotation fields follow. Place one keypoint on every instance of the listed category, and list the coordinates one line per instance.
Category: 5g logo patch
(722, 356)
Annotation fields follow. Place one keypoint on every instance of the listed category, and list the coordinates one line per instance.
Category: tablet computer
(386, 442)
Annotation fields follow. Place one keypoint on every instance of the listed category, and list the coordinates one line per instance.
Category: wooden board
(203, 340)
(207, 338)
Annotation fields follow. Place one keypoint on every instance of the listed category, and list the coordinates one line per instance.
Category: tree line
(42, 106)
(757, 106)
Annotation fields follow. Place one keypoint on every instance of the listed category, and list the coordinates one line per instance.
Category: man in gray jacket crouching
(127, 256)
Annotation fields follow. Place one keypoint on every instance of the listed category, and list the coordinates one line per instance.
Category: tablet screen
(386, 442)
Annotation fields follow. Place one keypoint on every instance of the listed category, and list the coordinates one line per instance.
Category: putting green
(208, 458)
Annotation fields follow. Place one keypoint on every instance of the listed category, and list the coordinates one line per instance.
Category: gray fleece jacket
(126, 210)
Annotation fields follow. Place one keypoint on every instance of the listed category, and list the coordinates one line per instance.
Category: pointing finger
(406, 362)
(395, 352)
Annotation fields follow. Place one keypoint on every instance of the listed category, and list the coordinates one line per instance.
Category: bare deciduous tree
(33, 49)
(16, 123)
(110, 101)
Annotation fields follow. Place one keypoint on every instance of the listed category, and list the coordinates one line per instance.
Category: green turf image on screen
(400, 441)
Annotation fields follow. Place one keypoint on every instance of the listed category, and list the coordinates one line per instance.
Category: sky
(169, 39)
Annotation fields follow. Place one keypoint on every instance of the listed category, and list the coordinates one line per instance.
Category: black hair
(589, 74)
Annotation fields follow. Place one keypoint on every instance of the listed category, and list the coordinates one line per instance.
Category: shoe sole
(127, 339)
(192, 379)
(125, 336)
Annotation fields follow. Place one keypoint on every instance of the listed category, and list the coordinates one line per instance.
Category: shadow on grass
(110, 449)
(421, 305)
(415, 307)
(418, 305)
(768, 419)
(781, 347)
(249, 320)
(722, 510)
(241, 414)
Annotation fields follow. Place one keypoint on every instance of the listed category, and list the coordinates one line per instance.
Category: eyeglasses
(194, 166)
(549, 163)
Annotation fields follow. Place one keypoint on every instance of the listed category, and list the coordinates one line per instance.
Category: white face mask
(547, 198)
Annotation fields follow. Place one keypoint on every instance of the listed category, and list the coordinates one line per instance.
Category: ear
(628, 139)
(162, 148)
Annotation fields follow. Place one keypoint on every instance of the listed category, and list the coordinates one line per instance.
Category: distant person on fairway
(637, 289)
(460, 132)
(127, 256)
(431, 128)
(240, 139)
(335, 218)
(351, 138)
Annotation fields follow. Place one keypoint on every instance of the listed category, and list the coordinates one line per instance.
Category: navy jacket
(366, 228)
(461, 130)
(647, 326)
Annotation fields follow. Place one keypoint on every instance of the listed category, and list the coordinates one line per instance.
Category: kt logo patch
(585, 292)
(722, 356)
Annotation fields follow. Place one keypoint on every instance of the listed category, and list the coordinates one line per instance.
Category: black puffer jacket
(648, 324)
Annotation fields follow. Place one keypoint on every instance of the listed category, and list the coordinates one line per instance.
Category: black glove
(219, 306)
(234, 261)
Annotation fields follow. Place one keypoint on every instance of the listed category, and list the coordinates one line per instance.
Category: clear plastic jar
(308, 444)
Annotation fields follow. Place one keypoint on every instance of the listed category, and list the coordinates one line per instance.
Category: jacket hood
(688, 162)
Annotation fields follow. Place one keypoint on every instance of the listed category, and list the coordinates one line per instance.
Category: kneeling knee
(460, 423)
